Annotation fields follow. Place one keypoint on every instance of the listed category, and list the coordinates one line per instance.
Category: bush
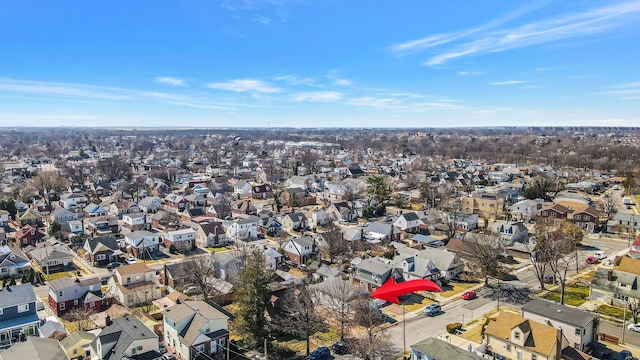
(451, 328)
(484, 327)
(172, 249)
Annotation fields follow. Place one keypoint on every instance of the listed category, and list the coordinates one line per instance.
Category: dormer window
(516, 335)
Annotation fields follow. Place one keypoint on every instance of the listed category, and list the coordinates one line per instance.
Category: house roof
(17, 294)
(562, 313)
(374, 266)
(304, 241)
(438, 349)
(411, 216)
(133, 269)
(629, 265)
(541, 339)
(76, 337)
(67, 282)
(34, 348)
(121, 333)
(442, 259)
(198, 312)
(109, 242)
(49, 253)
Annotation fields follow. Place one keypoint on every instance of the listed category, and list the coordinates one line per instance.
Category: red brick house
(67, 293)
(262, 192)
(588, 219)
(553, 214)
(29, 235)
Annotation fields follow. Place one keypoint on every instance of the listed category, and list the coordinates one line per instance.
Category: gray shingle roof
(440, 350)
(561, 313)
(17, 294)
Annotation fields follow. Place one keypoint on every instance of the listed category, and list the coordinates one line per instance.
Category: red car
(469, 295)
(592, 260)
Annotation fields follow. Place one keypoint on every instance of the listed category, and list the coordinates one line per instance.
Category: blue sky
(319, 63)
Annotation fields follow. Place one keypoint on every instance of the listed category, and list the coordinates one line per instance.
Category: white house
(4, 217)
(524, 210)
(182, 239)
(134, 285)
(242, 189)
(71, 200)
(243, 229)
(142, 243)
(139, 221)
(150, 204)
(194, 328)
(408, 222)
(300, 249)
(509, 232)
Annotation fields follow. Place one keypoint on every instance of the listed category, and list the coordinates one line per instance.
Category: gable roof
(541, 339)
(438, 349)
(102, 243)
(17, 294)
(120, 334)
(198, 312)
(629, 265)
(34, 348)
(562, 313)
(131, 269)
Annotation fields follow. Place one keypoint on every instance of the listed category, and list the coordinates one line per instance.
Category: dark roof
(197, 211)
(108, 241)
(120, 333)
(438, 349)
(17, 294)
(410, 216)
(35, 348)
(561, 313)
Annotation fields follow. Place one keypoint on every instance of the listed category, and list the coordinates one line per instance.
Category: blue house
(18, 314)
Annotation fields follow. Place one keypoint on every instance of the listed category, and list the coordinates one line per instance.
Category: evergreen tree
(253, 298)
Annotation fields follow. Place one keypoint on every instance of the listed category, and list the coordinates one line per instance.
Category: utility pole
(265, 349)
(624, 320)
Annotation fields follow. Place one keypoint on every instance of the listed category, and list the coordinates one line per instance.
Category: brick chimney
(610, 275)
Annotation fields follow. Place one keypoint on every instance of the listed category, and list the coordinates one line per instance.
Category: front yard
(456, 288)
(574, 296)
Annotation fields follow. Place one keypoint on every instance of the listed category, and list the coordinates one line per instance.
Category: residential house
(242, 189)
(52, 258)
(4, 218)
(300, 249)
(18, 313)
(295, 222)
(67, 293)
(371, 273)
(30, 217)
(121, 208)
(511, 336)
(300, 182)
(382, 231)
(34, 348)
(94, 210)
(341, 211)
(269, 225)
(634, 252)
(150, 204)
(624, 223)
(77, 345)
(447, 262)
(524, 210)
(467, 222)
(102, 225)
(195, 201)
(261, 192)
(13, 262)
(317, 217)
(101, 250)
(243, 229)
(618, 285)
(62, 215)
(272, 257)
(415, 267)
(588, 218)
(181, 240)
(73, 200)
(126, 338)
(296, 197)
(552, 215)
(408, 223)
(211, 234)
(142, 244)
(134, 285)
(484, 204)
(243, 207)
(52, 327)
(579, 327)
(175, 203)
(30, 235)
(220, 211)
(355, 172)
(509, 232)
(436, 349)
(137, 221)
(193, 328)
(177, 275)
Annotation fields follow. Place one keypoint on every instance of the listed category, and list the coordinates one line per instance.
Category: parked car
(548, 279)
(432, 310)
(600, 254)
(469, 295)
(634, 327)
(592, 260)
(340, 347)
(168, 356)
(113, 265)
(624, 355)
(131, 260)
(320, 353)
(387, 218)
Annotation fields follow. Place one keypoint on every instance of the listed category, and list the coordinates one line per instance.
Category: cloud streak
(485, 39)
(509, 82)
(317, 96)
(244, 85)
(170, 81)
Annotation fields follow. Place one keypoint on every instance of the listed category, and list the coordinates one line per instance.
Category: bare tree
(201, 272)
(351, 194)
(114, 168)
(559, 249)
(540, 262)
(450, 216)
(45, 183)
(80, 318)
(76, 172)
(608, 205)
(428, 192)
(634, 306)
(484, 253)
(340, 296)
(373, 343)
(300, 316)
(333, 244)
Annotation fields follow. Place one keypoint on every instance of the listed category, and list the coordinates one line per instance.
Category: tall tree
(45, 183)
(484, 252)
(450, 216)
(201, 272)
(253, 299)
(428, 193)
(300, 316)
(560, 250)
(379, 192)
(339, 298)
(333, 244)
(373, 342)
(629, 183)
(114, 168)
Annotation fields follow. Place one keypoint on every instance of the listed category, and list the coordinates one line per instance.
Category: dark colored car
(624, 355)
(113, 265)
(432, 310)
(340, 347)
(320, 353)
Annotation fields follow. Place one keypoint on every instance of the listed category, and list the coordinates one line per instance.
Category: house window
(578, 332)
(516, 335)
(578, 217)
(199, 349)
(576, 346)
(128, 280)
(59, 293)
(62, 306)
(534, 357)
(75, 302)
(92, 304)
(1, 311)
(213, 346)
(23, 308)
(75, 351)
(508, 347)
(101, 257)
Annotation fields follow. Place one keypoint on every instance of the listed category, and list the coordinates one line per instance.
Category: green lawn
(612, 311)
(574, 296)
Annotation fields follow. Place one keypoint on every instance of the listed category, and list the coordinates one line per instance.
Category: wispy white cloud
(342, 82)
(317, 96)
(567, 26)
(509, 82)
(467, 73)
(170, 80)
(61, 89)
(441, 39)
(244, 85)
(294, 80)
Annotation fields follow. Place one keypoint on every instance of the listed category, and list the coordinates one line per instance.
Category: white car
(132, 260)
(600, 254)
(634, 327)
